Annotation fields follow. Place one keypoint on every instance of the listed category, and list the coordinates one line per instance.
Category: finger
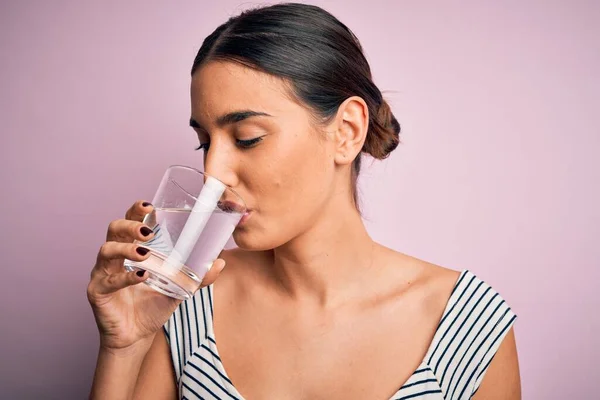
(138, 210)
(113, 282)
(111, 254)
(212, 275)
(123, 230)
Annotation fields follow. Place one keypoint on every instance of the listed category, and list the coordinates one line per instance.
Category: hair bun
(384, 133)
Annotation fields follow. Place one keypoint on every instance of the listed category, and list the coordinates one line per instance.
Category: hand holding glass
(193, 218)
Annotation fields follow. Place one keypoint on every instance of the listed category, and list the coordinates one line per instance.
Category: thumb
(213, 273)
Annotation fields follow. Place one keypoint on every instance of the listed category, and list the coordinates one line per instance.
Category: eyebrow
(232, 117)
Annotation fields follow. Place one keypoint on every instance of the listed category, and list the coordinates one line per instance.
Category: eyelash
(244, 144)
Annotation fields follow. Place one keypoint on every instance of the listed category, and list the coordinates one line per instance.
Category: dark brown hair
(318, 55)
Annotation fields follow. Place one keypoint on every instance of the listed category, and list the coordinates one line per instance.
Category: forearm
(117, 372)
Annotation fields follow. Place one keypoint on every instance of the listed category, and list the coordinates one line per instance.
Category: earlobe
(352, 128)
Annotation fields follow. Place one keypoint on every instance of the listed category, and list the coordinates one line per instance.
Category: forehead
(220, 87)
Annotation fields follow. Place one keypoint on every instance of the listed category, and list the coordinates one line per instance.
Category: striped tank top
(473, 324)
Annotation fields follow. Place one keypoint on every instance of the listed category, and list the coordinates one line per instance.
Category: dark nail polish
(145, 230)
(146, 204)
(142, 251)
(140, 273)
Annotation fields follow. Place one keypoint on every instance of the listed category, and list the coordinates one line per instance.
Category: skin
(329, 313)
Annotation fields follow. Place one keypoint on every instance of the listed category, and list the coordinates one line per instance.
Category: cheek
(280, 168)
(290, 182)
(298, 170)
(298, 183)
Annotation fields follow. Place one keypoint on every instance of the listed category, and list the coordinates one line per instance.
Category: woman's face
(266, 146)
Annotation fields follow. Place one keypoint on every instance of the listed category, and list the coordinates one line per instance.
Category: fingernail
(146, 204)
(145, 230)
(142, 251)
(140, 273)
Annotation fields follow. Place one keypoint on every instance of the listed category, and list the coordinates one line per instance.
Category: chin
(254, 239)
(245, 240)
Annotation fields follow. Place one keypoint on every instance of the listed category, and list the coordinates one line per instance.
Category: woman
(309, 306)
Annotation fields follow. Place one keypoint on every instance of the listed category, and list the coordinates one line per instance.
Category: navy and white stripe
(475, 321)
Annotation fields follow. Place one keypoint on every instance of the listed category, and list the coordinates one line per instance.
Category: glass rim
(192, 169)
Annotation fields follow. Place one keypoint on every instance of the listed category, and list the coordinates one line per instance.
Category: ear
(352, 124)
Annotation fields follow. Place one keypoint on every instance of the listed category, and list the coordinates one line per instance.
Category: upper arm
(156, 379)
(501, 380)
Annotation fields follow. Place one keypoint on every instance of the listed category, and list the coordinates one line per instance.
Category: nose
(220, 163)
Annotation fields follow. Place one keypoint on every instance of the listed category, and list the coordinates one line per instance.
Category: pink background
(498, 173)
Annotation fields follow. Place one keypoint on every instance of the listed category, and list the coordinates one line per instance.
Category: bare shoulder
(432, 284)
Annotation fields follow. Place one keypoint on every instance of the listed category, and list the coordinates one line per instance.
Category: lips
(230, 206)
(245, 218)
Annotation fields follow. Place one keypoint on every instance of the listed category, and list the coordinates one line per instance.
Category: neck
(329, 262)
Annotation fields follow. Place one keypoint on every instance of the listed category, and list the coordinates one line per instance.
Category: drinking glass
(194, 216)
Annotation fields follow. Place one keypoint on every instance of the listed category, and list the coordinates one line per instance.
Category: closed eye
(244, 144)
(203, 146)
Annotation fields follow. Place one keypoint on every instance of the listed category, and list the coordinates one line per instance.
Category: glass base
(180, 284)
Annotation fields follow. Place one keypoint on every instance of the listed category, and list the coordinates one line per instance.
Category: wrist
(134, 350)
